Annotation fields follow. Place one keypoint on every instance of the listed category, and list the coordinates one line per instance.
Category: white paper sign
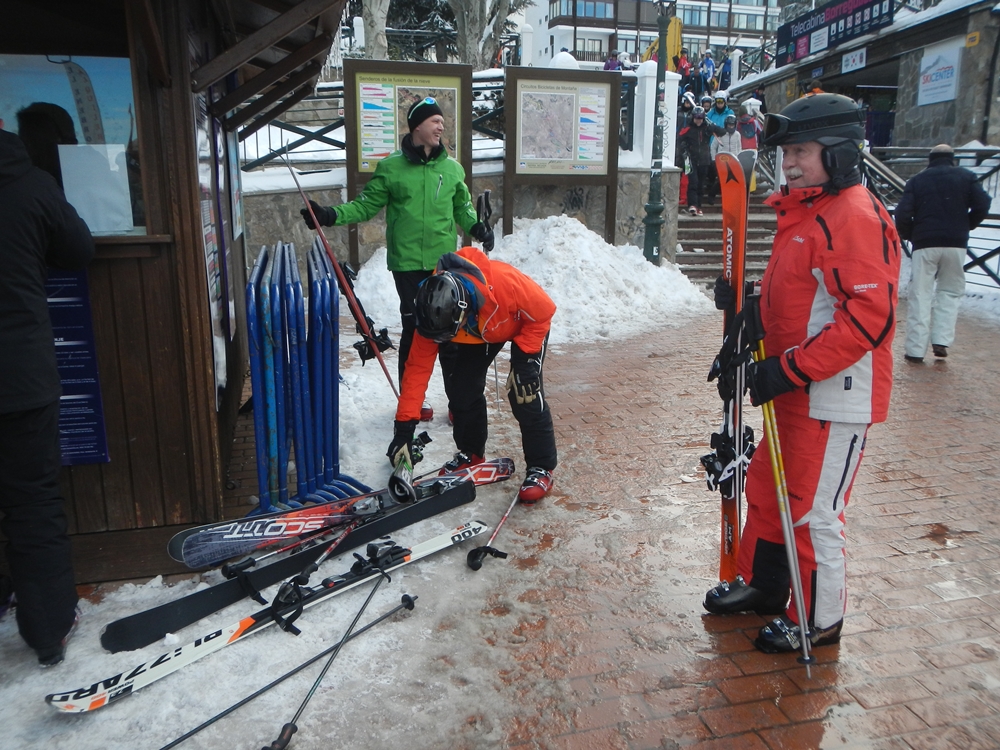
(939, 70)
(95, 181)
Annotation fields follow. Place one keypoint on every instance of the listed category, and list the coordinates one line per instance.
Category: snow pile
(602, 292)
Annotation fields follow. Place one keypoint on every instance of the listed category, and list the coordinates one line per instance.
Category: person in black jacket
(694, 145)
(938, 208)
(38, 228)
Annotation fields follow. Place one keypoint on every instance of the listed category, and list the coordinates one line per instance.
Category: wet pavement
(595, 623)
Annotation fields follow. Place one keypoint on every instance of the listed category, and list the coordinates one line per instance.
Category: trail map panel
(562, 127)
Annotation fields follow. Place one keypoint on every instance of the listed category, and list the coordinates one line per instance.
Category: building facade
(590, 29)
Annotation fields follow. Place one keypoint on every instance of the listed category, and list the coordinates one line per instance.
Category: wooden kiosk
(169, 81)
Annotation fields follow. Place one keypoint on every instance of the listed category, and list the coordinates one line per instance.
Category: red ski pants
(821, 462)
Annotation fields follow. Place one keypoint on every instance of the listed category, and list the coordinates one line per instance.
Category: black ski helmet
(441, 306)
(833, 121)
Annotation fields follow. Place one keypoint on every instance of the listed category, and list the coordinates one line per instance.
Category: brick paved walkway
(599, 607)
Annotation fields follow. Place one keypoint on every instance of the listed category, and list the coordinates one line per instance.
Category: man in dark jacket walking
(938, 208)
(38, 228)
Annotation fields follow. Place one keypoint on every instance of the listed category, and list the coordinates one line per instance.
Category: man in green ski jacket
(424, 195)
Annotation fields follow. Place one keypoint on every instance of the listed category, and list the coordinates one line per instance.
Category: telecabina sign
(830, 25)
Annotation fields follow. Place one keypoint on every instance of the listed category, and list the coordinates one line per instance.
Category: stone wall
(274, 216)
(961, 120)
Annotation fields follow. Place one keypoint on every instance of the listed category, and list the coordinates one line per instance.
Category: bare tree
(374, 13)
(479, 28)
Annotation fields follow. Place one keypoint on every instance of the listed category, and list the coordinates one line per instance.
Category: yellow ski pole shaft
(787, 525)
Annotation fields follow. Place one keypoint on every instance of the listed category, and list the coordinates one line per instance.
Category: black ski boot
(783, 636)
(729, 598)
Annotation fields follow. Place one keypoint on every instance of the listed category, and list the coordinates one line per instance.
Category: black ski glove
(725, 297)
(402, 438)
(525, 375)
(483, 232)
(326, 216)
(767, 379)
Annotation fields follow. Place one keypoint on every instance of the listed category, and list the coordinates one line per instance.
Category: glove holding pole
(482, 230)
(325, 215)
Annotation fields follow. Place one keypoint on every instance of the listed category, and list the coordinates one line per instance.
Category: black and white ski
(146, 627)
(382, 556)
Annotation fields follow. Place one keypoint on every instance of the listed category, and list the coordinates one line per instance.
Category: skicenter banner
(830, 25)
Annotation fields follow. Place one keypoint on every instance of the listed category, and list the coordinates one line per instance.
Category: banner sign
(939, 72)
(81, 414)
(830, 25)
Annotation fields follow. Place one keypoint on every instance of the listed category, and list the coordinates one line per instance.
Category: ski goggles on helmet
(779, 129)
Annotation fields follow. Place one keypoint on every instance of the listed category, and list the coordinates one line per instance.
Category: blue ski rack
(294, 373)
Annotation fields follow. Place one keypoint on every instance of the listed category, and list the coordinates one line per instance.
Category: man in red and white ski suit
(828, 307)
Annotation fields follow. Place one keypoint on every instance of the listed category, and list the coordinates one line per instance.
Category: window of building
(720, 19)
(693, 16)
(773, 22)
(100, 172)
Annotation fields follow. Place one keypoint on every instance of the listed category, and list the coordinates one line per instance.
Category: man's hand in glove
(724, 295)
(402, 438)
(326, 216)
(483, 232)
(766, 380)
(525, 374)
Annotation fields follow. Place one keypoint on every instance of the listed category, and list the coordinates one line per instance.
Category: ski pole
(477, 555)
(366, 328)
(496, 383)
(787, 525)
(291, 727)
(407, 603)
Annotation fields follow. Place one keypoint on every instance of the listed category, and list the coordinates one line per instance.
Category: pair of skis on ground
(436, 494)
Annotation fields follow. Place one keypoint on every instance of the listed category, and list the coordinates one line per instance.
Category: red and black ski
(212, 543)
(733, 444)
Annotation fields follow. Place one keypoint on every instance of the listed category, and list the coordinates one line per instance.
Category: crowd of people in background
(709, 121)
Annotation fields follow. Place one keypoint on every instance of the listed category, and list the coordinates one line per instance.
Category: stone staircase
(701, 240)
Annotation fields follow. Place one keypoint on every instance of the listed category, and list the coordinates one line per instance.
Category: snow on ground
(427, 679)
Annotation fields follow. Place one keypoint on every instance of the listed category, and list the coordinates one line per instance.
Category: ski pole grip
(283, 739)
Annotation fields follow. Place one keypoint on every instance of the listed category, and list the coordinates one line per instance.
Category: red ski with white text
(732, 445)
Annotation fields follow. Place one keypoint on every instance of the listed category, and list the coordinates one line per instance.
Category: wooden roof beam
(276, 72)
(222, 65)
(251, 110)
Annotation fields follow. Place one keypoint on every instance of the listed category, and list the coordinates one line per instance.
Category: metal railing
(757, 60)
(313, 132)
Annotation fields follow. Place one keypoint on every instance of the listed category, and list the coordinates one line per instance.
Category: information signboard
(82, 438)
(562, 127)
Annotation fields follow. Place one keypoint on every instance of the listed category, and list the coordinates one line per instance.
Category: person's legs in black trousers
(694, 186)
(465, 384)
(34, 522)
(538, 437)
